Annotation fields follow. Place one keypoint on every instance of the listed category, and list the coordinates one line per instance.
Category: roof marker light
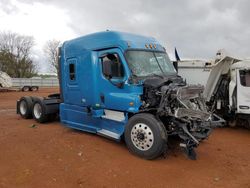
(128, 43)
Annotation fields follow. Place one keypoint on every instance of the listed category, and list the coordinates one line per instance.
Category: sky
(197, 28)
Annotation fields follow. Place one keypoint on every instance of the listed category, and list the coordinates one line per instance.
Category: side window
(116, 65)
(245, 78)
(72, 75)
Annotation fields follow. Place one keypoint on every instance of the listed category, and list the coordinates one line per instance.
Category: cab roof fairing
(110, 39)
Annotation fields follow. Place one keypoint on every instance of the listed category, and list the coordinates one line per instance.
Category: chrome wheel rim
(142, 136)
(34, 89)
(37, 110)
(23, 107)
(26, 89)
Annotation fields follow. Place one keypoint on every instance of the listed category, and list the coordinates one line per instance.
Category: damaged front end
(182, 110)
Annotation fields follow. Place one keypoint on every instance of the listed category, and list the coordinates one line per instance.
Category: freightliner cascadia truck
(122, 85)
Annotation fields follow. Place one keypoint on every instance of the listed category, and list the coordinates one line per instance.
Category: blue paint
(78, 117)
(82, 106)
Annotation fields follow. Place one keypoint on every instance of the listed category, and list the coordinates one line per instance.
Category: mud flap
(191, 153)
(189, 150)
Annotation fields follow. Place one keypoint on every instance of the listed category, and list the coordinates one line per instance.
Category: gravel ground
(51, 155)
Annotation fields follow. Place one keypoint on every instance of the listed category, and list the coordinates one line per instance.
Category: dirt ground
(51, 155)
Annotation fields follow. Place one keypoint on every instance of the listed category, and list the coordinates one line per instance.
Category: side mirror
(175, 63)
(107, 68)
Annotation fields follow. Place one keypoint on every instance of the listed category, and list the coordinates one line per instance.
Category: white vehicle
(5, 80)
(195, 71)
(227, 85)
(7, 85)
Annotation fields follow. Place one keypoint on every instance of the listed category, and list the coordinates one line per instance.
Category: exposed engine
(180, 107)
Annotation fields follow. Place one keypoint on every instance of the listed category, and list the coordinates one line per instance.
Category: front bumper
(193, 133)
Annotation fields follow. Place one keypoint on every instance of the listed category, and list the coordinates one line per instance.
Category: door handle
(102, 97)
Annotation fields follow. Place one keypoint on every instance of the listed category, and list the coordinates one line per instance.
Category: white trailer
(195, 71)
(7, 85)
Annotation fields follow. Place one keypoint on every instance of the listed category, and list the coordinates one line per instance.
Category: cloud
(197, 28)
(44, 22)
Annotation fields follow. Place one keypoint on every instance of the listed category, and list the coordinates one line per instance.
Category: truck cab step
(108, 134)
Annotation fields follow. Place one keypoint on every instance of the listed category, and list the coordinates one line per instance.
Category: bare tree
(15, 54)
(50, 50)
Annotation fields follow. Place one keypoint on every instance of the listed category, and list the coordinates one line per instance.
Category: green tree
(15, 55)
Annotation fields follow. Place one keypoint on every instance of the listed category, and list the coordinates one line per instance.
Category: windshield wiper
(153, 74)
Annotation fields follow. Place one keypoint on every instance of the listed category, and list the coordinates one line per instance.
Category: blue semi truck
(122, 85)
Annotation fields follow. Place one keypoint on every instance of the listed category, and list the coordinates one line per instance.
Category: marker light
(128, 43)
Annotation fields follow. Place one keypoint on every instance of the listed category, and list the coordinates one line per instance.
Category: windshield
(146, 63)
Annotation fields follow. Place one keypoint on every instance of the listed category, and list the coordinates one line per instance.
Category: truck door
(243, 90)
(113, 90)
(72, 95)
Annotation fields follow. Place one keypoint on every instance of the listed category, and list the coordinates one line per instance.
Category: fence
(41, 82)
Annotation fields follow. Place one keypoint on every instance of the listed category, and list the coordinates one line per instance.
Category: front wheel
(146, 136)
(232, 123)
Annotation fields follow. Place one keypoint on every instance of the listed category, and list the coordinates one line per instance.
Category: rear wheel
(25, 107)
(25, 88)
(39, 111)
(232, 123)
(34, 88)
(146, 136)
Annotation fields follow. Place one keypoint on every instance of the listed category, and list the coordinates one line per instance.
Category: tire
(26, 88)
(34, 88)
(25, 107)
(145, 136)
(39, 111)
(35, 98)
(232, 123)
